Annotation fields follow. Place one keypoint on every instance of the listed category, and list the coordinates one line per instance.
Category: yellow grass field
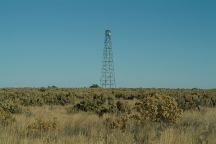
(87, 128)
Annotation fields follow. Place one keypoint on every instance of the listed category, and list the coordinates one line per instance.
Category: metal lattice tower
(108, 75)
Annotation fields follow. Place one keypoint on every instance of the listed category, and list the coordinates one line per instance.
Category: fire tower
(108, 75)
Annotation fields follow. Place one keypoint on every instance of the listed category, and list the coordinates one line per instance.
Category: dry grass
(87, 128)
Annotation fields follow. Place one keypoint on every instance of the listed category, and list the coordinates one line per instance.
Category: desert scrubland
(107, 116)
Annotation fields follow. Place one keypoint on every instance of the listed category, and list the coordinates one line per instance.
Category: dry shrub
(186, 98)
(123, 106)
(5, 118)
(152, 108)
(45, 130)
(11, 107)
(43, 125)
(159, 109)
(113, 122)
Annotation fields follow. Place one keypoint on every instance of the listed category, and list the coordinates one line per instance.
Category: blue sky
(156, 43)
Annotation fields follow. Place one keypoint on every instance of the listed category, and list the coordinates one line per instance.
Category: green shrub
(94, 86)
(98, 104)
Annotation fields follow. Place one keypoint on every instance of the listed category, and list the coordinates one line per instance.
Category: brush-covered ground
(107, 116)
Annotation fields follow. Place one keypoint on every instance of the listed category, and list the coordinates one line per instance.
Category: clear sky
(156, 43)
